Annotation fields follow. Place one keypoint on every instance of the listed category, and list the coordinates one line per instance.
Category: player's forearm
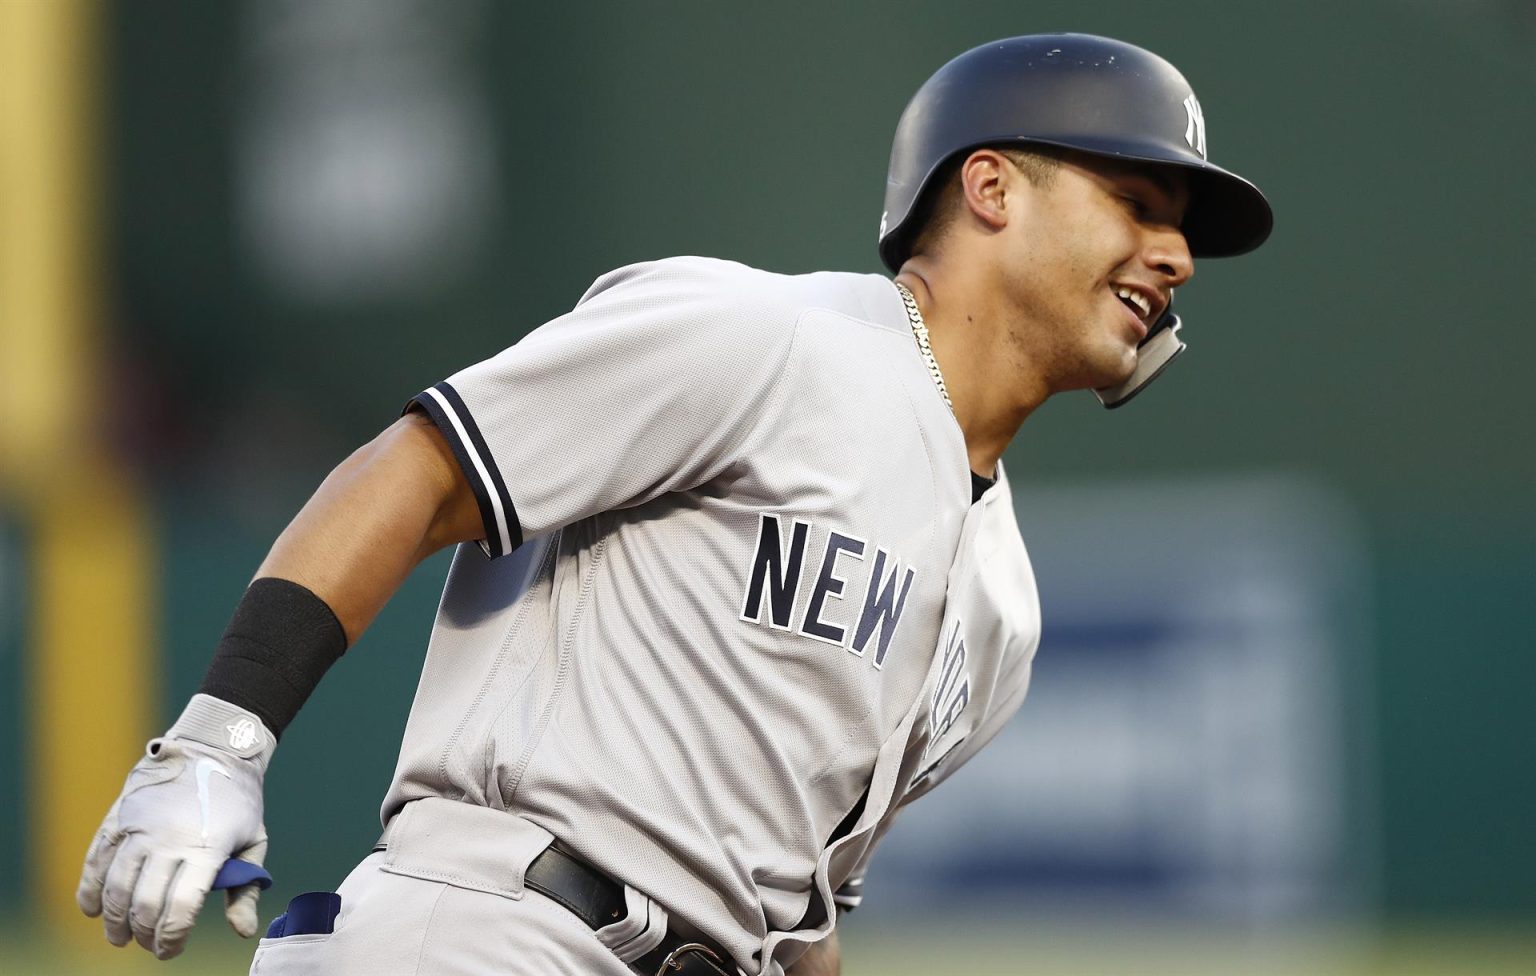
(822, 959)
(394, 502)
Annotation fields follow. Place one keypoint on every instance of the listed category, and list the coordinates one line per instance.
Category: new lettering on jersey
(774, 579)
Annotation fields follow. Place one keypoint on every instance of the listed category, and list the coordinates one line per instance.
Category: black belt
(598, 900)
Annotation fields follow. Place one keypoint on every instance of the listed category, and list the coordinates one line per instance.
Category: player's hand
(193, 801)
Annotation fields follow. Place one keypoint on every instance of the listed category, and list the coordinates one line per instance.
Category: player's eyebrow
(1174, 190)
(1160, 178)
(1162, 181)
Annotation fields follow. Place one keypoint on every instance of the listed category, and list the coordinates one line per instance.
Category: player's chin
(1109, 366)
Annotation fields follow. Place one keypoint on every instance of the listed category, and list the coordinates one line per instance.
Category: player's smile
(1134, 317)
(1141, 304)
(1133, 297)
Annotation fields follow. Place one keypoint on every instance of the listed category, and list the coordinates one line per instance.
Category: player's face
(1091, 266)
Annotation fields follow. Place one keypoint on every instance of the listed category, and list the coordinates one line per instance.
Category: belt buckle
(673, 963)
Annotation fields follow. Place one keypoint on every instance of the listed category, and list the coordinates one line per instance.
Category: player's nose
(1167, 253)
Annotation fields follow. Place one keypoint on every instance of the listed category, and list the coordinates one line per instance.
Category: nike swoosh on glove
(194, 800)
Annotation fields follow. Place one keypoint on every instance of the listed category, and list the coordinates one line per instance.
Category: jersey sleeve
(647, 386)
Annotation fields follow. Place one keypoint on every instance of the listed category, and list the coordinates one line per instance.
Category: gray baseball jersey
(734, 604)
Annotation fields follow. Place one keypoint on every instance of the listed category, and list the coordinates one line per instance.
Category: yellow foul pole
(89, 549)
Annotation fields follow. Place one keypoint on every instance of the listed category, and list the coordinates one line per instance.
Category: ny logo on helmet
(1194, 132)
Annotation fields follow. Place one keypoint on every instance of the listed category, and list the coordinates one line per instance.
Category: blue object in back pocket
(312, 913)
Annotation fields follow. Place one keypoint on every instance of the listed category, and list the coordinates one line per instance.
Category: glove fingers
(117, 891)
(185, 900)
(240, 909)
(103, 848)
(240, 903)
(149, 897)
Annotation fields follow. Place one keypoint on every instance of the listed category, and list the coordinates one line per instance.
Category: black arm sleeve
(279, 644)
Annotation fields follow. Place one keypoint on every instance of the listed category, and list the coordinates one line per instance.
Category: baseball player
(738, 573)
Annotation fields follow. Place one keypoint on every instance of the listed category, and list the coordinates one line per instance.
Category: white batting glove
(194, 800)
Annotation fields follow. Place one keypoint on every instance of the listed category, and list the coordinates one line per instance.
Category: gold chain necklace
(920, 333)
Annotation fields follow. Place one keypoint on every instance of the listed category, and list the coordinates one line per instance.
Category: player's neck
(993, 389)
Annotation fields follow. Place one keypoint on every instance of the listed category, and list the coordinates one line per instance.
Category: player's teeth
(1140, 300)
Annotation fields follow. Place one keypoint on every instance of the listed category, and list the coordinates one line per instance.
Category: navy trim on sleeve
(503, 531)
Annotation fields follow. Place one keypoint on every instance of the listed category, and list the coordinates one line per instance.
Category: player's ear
(985, 183)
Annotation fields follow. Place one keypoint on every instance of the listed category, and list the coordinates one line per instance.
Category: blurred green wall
(1379, 342)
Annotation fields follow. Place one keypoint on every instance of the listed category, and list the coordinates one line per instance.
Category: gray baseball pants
(446, 898)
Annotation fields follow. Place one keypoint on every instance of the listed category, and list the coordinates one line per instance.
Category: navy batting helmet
(1076, 91)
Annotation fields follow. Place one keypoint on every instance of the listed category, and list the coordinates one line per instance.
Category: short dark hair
(936, 210)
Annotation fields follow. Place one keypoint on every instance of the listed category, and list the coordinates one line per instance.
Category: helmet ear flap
(1153, 354)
